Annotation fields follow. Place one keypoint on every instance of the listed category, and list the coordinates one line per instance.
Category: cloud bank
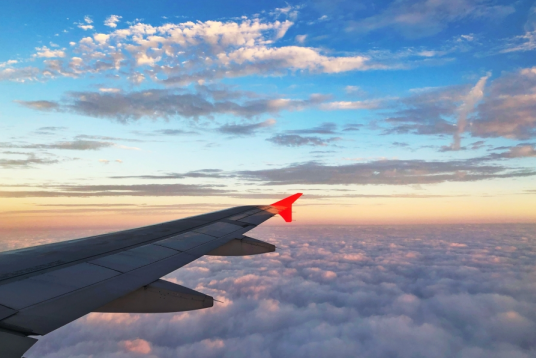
(373, 292)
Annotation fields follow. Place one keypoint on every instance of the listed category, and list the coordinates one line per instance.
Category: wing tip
(284, 206)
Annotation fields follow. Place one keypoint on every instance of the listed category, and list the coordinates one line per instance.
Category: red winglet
(285, 206)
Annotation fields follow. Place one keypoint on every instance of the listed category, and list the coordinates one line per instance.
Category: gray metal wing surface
(45, 287)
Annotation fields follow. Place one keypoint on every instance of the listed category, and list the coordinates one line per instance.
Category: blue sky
(428, 105)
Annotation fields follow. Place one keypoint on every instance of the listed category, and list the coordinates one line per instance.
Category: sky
(124, 113)
(404, 291)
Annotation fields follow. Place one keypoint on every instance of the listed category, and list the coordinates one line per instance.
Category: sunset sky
(125, 113)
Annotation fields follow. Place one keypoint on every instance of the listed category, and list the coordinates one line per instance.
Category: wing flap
(13, 345)
(243, 246)
(158, 297)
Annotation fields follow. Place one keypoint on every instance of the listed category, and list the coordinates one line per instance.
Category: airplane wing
(45, 287)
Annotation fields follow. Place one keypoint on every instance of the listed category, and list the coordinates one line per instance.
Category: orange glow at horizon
(376, 211)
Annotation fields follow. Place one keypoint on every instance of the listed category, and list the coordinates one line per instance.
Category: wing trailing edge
(284, 207)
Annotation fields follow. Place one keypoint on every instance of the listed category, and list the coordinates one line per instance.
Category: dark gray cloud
(53, 191)
(173, 132)
(245, 129)
(324, 128)
(160, 103)
(202, 173)
(30, 161)
(368, 291)
(391, 172)
(67, 145)
(352, 127)
(294, 140)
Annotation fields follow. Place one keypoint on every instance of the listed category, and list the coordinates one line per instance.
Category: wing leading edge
(45, 287)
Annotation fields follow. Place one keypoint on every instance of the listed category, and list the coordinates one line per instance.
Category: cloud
(467, 107)
(427, 112)
(68, 145)
(389, 172)
(294, 140)
(191, 52)
(324, 128)
(510, 108)
(202, 173)
(85, 191)
(112, 20)
(507, 109)
(527, 41)
(77, 144)
(49, 53)
(8, 63)
(19, 74)
(422, 18)
(28, 162)
(342, 292)
(301, 38)
(518, 151)
(350, 105)
(160, 103)
(245, 129)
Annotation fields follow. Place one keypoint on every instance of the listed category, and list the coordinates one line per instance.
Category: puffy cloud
(294, 140)
(19, 74)
(112, 20)
(421, 18)
(194, 52)
(8, 63)
(400, 291)
(49, 53)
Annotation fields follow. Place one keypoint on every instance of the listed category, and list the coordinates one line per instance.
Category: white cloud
(350, 105)
(109, 90)
(49, 53)
(301, 38)
(112, 21)
(88, 19)
(8, 63)
(85, 27)
(191, 52)
(101, 38)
